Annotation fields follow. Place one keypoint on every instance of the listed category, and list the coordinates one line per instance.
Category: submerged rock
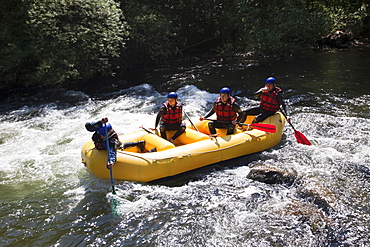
(310, 189)
(306, 214)
(271, 175)
(315, 191)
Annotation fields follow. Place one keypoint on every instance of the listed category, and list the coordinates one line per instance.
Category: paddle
(146, 130)
(195, 127)
(114, 203)
(270, 128)
(298, 135)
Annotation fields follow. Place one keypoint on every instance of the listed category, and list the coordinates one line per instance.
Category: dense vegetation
(58, 41)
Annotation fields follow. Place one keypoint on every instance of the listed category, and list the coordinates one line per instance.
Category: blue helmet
(270, 80)
(172, 95)
(101, 130)
(225, 90)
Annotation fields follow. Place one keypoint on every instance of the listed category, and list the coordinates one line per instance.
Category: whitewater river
(48, 197)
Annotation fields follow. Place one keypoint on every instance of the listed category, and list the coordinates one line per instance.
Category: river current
(48, 197)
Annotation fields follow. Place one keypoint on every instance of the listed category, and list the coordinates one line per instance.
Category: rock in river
(271, 175)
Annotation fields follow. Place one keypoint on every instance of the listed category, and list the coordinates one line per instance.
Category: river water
(48, 198)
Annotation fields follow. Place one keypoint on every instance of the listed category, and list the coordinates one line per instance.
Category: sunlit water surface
(48, 198)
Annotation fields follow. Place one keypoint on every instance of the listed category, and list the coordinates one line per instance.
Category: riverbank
(99, 87)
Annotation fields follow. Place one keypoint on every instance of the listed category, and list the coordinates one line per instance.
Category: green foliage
(67, 40)
(270, 27)
(347, 16)
(346, 20)
(150, 34)
(55, 41)
(275, 28)
(15, 46)
(75, 39)
(161, 29)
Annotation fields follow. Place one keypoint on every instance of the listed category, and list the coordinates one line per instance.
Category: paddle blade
(301, 138)
(114, 202)
(115, 205)
(270, 128)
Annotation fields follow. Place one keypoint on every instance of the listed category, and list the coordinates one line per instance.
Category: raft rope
(149, 160)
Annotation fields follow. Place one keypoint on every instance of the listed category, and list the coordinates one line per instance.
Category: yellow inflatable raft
(193, 150)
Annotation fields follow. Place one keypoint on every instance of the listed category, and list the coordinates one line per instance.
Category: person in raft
(99, 138)
(227, 111)
(170, 115)
(271, 98)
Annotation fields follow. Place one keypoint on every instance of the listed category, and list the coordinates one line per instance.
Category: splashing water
(48, 198)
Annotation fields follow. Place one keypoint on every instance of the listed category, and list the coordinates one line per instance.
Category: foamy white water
(48, 198)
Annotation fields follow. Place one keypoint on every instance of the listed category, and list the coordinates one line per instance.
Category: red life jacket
(270, 101)
(173, 114)
(225, 112)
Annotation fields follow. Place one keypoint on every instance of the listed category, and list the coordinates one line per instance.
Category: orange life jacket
(225, 112)
(270, 101)
(173, 114)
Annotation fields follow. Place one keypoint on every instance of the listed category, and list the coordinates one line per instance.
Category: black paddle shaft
(191, 121)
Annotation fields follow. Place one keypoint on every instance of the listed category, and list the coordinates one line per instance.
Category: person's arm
(159, 115)
(239, 112)
(112, 155)
(258, 93)
(282, 103)
(211, 112)
(95, 125)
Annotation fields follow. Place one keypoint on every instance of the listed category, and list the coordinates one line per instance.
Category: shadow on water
(200, 173)
(49, 200)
